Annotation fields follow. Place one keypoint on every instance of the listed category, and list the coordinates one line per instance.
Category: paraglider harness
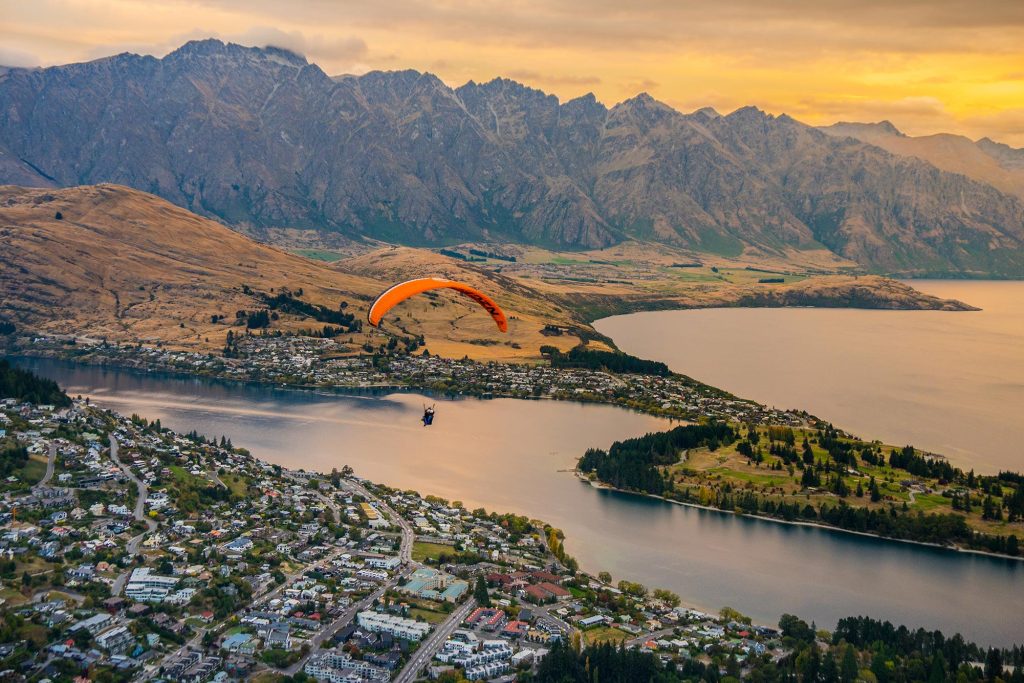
(428, 416)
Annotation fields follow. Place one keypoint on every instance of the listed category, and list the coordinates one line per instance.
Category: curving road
(49, 466)
(140, 515)
(140, 502)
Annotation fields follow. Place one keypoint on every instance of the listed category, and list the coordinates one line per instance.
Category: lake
(513, 456)
(951, 383)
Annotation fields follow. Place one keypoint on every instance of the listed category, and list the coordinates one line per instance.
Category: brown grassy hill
(125, 265)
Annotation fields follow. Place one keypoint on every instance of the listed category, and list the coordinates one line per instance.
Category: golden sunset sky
(926, 65)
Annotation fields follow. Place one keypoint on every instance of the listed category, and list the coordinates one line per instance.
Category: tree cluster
(27, 386)
(286, 302)
(612, 361)
(633, 463)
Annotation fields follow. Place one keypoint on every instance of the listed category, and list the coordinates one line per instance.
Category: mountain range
(259, 138)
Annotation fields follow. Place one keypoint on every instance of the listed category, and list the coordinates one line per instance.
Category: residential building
(116, 640)
(396, 626)
(146, 586)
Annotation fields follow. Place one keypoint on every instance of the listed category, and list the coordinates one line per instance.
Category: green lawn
(767, 479)
(267, 677)
(33, 471)
(236, 483)
(12, 596)
(186, 479)
(604, 634)
(930, 501)
(421, 551)
(428, 615)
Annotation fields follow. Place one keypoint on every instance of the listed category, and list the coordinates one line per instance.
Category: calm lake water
(511, 456)
(951, 383)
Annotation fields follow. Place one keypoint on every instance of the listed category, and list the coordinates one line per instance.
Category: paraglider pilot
(428, 416)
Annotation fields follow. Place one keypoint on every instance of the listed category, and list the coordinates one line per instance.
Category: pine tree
(808, 453)
(849, 669)
(480, 592)
(994, 664)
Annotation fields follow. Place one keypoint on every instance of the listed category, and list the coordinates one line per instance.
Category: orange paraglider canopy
(402, 291)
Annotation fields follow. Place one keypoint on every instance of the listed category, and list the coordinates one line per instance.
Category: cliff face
(261, 138)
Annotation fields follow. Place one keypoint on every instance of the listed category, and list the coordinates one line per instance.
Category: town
(130, 552)
(311, 362)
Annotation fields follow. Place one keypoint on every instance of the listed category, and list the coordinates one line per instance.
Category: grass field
(12, 597)
(428, 615)
(236, 483)
(702, 470)
(769, 478)
(33, 470)
(931, 502)
(604, 634)
(186, 479)
(267, 677)
(421, 551)
(32, 565)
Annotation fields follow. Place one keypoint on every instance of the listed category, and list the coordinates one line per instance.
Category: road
(327, 632)
(195, 642)
(49, 465)
(215, 478)
(289, 578)
(425, 652)
(335, 510)
(140, 515)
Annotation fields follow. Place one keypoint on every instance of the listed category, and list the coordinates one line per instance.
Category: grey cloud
(11, 56)
(342, 49)
(552, 79)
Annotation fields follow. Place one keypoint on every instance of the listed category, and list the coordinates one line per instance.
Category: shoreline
(937, 546)
(386, 389)
(373, 389)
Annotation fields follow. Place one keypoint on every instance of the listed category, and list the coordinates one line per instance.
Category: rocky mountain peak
(708, 113)
(888, 127)
(749, 114)
(214, 48)
(261, 138)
